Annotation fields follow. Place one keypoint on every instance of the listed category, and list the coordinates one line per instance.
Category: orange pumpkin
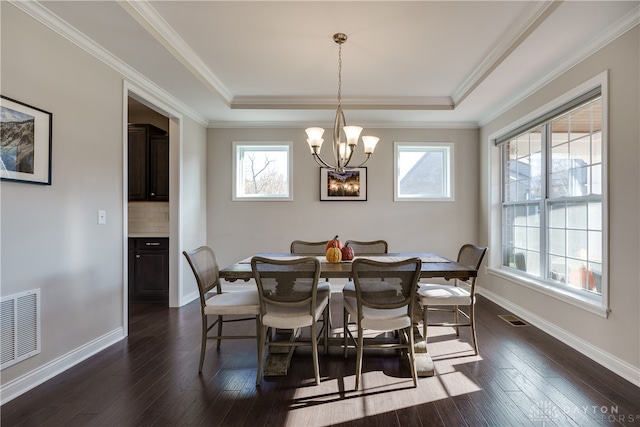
(334, 241)
(347, 253)
(333, 254)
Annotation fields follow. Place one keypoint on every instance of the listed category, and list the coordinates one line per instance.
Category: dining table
(433, 266)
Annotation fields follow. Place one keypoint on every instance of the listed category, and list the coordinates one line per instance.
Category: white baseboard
(21, 385)
(188, 298)
(608, 361)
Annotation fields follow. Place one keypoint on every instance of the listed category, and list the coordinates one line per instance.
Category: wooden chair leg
(261, 346)
(412, 358)
(456, 319)
(345, 328)
(203, 345)
(326, 326)
(314, 352)
(220, 321)
(258, 327)
(472, 321)
(424, 326)
(360, 350)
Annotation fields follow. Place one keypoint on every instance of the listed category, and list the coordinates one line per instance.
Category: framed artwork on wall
(349, 185)
(25, 142)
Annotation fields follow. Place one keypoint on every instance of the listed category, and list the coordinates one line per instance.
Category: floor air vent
(513, 320)
(20, 324)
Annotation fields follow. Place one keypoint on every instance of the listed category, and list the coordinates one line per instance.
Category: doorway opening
(148, 208)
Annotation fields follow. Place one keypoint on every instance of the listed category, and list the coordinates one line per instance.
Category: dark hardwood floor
(522, 377)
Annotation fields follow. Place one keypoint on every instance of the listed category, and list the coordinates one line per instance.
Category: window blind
(562, 109)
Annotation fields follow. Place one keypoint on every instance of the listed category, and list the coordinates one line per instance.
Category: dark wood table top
(433, 265)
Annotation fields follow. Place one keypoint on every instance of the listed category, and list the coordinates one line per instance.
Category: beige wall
(238, 229)
(192, 203)
(49, 235)
(614, 341)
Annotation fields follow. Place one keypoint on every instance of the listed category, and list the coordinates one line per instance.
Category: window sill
(585, 302)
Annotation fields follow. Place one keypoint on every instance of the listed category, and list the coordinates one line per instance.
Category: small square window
(262, 171)
(423, 171)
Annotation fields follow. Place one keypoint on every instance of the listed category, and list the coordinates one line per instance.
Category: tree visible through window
(262, 171)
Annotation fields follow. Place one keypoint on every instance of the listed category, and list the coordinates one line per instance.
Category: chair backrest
(386, 285)
(301, 247)
(205, 268)
(292, 282)
(471, 255)
(368, 248)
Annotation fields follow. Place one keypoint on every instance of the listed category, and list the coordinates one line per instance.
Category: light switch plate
(102, 217)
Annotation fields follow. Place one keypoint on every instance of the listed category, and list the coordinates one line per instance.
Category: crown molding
(327, 103)
(62, 28)
(158, 28)
(368, 125)
(535, 15)
(619, 28)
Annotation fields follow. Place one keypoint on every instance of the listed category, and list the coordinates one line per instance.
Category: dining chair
(382, 300)
(235, 303)
(302, 247)
(460, 294)
(289, 299)
(369, 247)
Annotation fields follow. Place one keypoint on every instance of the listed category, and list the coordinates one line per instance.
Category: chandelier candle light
(345, 138)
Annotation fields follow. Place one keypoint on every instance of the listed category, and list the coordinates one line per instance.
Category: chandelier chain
(339, 74)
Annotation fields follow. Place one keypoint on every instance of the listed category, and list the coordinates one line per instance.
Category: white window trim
(450, 177)
(599, 306)
(234, 177)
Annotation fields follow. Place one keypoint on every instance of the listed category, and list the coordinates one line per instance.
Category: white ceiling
(405, 64)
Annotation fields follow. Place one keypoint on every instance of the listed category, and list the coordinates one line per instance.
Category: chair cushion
(443, 295)
(349, 289)
(324, 288)
(237, 302)
(294, 317)
(378, 319)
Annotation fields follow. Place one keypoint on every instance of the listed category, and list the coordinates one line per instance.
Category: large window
(552, 198)
(262, 171)
(423, 171)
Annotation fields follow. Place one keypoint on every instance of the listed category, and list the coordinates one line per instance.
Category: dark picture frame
(349, 185)
(25, 142)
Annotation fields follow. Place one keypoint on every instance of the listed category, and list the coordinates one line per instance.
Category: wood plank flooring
(522, 377)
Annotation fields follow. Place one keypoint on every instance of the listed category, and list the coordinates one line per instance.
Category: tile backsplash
(149, 219)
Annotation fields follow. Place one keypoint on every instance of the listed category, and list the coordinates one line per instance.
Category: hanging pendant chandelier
(345, 138)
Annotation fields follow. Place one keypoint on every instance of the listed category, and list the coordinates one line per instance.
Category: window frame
(238, 148)
(447, 148)
(597, 304)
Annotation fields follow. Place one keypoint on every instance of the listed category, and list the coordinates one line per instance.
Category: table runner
(323, 259)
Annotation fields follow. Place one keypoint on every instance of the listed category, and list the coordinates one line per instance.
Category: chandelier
(345, 138)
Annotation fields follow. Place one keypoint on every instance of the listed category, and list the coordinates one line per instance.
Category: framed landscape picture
(25, 142)
(351, 184)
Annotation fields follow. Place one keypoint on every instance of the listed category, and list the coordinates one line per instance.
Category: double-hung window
(552, 199)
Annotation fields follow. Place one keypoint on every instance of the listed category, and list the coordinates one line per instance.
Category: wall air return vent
(20, 323)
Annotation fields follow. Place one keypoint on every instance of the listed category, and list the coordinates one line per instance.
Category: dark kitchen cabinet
(149, 270)
(148, 163)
